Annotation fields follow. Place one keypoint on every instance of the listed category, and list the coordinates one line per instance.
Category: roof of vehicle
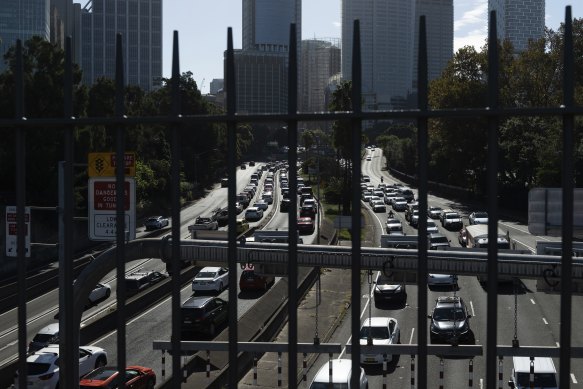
(442, 300)
(252, 209)
(305, 220)
(341, 370)
(196, 301)
(52, 328)
(541, 365)
(377, 321)
(210, 268)
(138, 274)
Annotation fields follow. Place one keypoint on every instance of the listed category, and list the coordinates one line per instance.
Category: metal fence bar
(567, 217)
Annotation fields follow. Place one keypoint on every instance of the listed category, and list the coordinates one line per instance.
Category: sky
(202, 29)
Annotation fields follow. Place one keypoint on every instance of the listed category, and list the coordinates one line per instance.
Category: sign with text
(12, 231)
(102, 208)
(104, 164)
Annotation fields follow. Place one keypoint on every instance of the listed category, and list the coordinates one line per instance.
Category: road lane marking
(481, 383)
(532, 301)
(545, 321)
(558, 344)
(472, 306)
(411, 337)
(573, 379)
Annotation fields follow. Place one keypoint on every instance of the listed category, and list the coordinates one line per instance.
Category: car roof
(341, 369)
(442, 300)
(377, 321)
(196, 301)
(52, 328)
(210, 268)
(541, 365)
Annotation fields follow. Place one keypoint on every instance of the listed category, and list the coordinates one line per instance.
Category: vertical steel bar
(356, 127)
(492, 178)
(232, 188)
(120, 212)
(292, 128)
(175, 172)
(422, 196)
(69, 366)
(20, 204)
(568, 196)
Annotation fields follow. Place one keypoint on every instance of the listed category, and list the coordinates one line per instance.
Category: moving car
(261, 204)
(382, 330)
(545, 374)
(203, 314)
(308, 211)
(211, 278)
(341, 371)
(136, 377)
(399, 204)
(379, 206)
(306, 225)
(156, 222)
(99, 292)
(394, 225)
(49, 334)
(451, 220)
(478, 217)
(142, 279)
(253, 214)
(43, 365)
(434, 279)
(431, 227)
(450, 320)
(387, 290)
(250, 280)
(437, 240)
(434, 212)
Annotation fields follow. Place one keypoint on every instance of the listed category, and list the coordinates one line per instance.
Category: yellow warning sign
(104, 164)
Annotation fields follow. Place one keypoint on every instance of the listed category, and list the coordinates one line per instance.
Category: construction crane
(201, 85)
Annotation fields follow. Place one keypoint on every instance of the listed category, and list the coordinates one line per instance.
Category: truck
(476, 236)
(204, 223)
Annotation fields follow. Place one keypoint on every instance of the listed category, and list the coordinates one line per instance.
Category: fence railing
(69, 329)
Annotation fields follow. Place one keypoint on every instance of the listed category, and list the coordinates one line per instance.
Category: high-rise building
(216, 85)
(22, 19)
(140, 24)
(519, 20)
(262, 64)
(320, 61)
(388, 31)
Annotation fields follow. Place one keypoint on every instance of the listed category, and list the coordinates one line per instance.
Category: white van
(341, 373)
(545, 374)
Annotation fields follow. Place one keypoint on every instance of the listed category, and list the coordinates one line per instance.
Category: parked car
(306, 225)
(43, 365)
(253, 214)
(250, 280)
(449, 320)
(341, 373)
(387, 290)
(478, 218)
(156, 223)
(136, 377)
(382, 331)
(211, 278)
(203, 314)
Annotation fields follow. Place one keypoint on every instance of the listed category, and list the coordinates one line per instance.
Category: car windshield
(375, 332)
(205, 274)
(42, 338)
(247, 274)
(100, 374)
(480, 215)
(448, 314)
(541, 380)
(192, 313)
(37, 368)
(451, 216)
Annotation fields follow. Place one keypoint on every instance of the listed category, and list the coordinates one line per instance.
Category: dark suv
(140, 280)
(437, 240)
(203, 314)
(450, 321)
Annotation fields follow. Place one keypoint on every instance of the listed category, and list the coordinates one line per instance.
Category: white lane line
(545, 321)
(472, 306)
(481, 383)
(558, 344)
(411, 337)
(532, 301)
(573, 379)
(361, 315)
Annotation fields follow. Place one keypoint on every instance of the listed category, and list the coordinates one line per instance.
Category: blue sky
(202, 28)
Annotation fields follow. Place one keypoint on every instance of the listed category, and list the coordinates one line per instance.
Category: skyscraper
(140, 24)
(388, 33)
(320, 61)
(261, 66)
(22, 19)
(519, 20)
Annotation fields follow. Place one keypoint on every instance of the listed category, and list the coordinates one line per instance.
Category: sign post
(12, 231)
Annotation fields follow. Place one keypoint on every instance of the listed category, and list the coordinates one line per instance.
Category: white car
(43, 365)
(441, 279)
(261, 204)
(431, 227)
(340, 374)
(382, 330)
(379, 206)
(156, 222)
(211, 278)
(399, 204)
(394, 225)
(478, 218)
(99, 292)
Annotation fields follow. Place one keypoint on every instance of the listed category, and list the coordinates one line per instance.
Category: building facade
(22, 19)
(519, 20)
(266, 24)
(140, 24)
(388, 41)
(320, 60)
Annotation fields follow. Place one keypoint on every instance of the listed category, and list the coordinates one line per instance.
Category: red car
(252, 281)
(306, 225)
(137, 377)
(308, 211)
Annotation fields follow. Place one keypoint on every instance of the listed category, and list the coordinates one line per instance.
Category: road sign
(545, 211)
(102, 208)
(104, 164)
(12, 231)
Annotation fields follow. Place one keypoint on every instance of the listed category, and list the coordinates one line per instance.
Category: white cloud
(477, 15)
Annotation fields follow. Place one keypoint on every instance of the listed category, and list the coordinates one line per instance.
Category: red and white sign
(102, 208)
(12, 231)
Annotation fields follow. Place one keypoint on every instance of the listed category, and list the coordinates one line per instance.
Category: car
(449, 321)
(433, 212)
(224, 182)
(267, 197)
(379, 206)
(203, 314)
(308, 211)
(374, 198)
(250, 280)
(261, 204)
(253, 214)
(387, 290)
(478, 218)
(437, 240)
(365, 178)
(205, 223)
(390, 197)
(242, 226)
(431, 227)
(101, 291)
(462, 237)
(284, 204)
(407, 194)
(452, 220)
(414, 218)
(211, 278)
(368, 158)
(242, 199)
(243, 166)
(366, 195)
(156, 223)
(393, 225)
(306, 225)
(136, 377)
(544, 373)
(49, 334)
(43, 365)
(251, 163)
(311, 202)
(339, 371)
(139, 280)
(378, 192)
(435, 279)
(382, 331)
(399, 204)
(411, 207)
